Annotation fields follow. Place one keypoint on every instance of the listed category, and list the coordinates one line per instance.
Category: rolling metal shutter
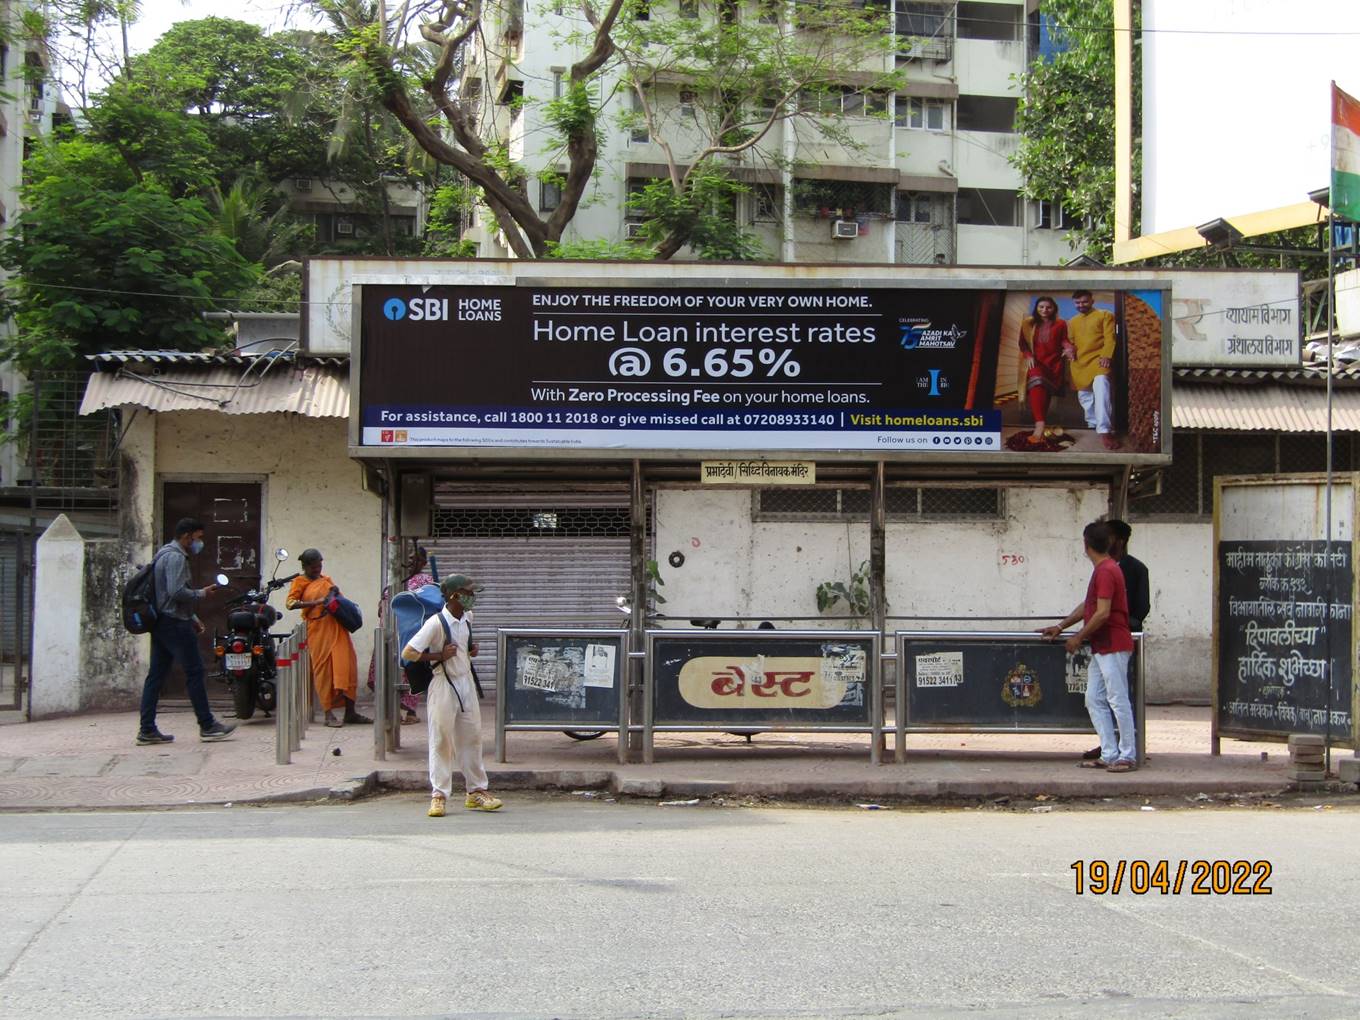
(548, 558)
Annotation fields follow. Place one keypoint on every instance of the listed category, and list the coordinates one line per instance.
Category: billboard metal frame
(873, 661)
(860, 277)
(504, 725)
(902, 717)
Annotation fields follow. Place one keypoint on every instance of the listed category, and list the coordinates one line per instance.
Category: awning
(1263, 408)
(313, 390)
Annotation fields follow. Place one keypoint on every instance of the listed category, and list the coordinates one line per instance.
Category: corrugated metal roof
(314, 390)
(1266, 407)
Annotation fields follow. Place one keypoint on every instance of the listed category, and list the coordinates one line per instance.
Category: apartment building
(925, 178)
(28, 101)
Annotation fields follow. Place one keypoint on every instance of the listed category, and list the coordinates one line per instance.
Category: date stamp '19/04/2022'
(1172, 878)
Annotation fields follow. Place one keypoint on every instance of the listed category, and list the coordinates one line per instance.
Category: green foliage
(104, 260)
(854, 594)
(599, 250)
(703, 211)
(444, 223)
(1066, 121)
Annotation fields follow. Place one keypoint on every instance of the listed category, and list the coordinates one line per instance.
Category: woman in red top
(1043, 345)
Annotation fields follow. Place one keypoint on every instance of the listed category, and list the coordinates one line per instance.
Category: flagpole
(1327, 545)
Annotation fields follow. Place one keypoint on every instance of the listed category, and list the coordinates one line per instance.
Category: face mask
(196, 546)
(466, 601)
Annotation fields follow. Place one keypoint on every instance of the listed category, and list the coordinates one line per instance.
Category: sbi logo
(417, 309)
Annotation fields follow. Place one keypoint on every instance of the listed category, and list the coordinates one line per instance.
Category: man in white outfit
(455, 718)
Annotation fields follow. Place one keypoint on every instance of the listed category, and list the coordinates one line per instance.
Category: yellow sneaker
(436, 807)
(480, 800)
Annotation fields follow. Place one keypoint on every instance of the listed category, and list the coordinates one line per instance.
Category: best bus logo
(417, 309)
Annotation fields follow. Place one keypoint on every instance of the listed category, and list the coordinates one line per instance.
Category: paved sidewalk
(91, 762)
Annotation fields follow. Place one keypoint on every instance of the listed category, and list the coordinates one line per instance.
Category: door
(230, 512)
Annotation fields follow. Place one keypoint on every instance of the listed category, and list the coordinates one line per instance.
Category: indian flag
(1345, 200)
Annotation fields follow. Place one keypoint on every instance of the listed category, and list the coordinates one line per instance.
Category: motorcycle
(247, 650)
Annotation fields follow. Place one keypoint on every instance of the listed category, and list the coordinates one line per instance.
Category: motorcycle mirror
(222, 580)
(280, 554)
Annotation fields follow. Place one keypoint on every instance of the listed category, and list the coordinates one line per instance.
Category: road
(566, 907)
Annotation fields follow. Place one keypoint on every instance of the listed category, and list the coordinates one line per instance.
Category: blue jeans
(171, 640)
(1107, 701)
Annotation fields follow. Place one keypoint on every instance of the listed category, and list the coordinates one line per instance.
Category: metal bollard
(300, 679)
(283, 704)
(306, 692)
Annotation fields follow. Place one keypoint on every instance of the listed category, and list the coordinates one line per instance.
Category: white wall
(312, 497)
(1029, 564)
(1180, 564)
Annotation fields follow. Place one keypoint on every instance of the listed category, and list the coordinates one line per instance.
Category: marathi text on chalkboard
(1285, 618)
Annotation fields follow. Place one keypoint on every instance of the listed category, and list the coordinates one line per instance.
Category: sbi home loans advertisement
(763, 368)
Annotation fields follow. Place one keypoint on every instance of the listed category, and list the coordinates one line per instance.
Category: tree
(1066, 121)
(742, 70)
(103, 259)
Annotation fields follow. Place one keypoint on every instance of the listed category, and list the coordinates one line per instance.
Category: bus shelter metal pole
(379, 695)
(501, 699)
(878, 600)
(1140, 697)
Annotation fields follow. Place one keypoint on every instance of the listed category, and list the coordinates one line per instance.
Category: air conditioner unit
(635, 231)
(844, 230)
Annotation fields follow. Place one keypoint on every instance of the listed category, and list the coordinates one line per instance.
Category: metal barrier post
(301, 680)
(1140, 698)
(379, 695)
(283, 703)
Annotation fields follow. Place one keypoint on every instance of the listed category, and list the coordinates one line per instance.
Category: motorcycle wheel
(584, 734)
(266, 695)
(243, 696)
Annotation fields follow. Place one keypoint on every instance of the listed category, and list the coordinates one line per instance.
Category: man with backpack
(455, 718)
(174, 635)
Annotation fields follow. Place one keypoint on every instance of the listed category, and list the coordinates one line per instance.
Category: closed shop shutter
(548, 559)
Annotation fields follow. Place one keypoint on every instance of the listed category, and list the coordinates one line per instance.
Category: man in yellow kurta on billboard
(1091, 333)
(335, 669)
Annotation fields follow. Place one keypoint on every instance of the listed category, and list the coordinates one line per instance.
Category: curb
(606, 780)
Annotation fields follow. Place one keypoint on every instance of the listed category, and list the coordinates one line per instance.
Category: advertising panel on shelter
(764, 367)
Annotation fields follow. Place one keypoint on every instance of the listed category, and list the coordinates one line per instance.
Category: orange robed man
(335, 669)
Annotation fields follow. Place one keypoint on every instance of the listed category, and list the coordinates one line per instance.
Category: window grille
(901, 503)
(1198, 458)
(531, 522)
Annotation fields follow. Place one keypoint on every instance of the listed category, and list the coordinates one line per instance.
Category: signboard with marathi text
(758, 472)
(1243, 319)
(766, 362)
(1284, 636)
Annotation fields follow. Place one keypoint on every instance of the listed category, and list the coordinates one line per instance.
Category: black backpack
(419, 675)
(139, 600)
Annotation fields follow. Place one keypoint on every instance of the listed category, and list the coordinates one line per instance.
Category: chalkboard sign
(569, 678)
(1014, 682)
(762, 679)
(1284, 627)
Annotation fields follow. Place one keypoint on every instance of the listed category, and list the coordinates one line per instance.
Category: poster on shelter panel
(763, 368)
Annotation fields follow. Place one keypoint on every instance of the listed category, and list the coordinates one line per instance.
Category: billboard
(1232, 92)
(762, 367)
